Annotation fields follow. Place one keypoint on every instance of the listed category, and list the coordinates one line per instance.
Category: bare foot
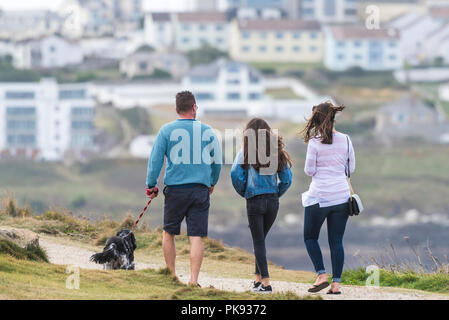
(320, 279)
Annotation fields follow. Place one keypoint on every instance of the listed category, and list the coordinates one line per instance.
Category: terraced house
(44, 120)
(277, 41)
(355, 46)
(196, 29)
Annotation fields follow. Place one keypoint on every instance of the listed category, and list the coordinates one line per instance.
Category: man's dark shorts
(190, 202)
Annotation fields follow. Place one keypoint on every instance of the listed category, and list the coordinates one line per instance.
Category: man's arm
(156, 160)
(217, 163)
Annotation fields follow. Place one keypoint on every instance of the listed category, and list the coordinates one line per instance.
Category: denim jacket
(249, 183)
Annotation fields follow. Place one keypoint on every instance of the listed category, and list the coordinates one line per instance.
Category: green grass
(433, 282)
(29, 253)
(282, 93)
(21, 279)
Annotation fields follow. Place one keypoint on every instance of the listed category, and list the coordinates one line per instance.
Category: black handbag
(355, 205)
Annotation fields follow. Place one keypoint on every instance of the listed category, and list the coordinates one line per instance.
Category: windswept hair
(321, 123)
(257, 124)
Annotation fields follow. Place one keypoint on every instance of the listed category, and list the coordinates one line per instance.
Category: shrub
(32, 253)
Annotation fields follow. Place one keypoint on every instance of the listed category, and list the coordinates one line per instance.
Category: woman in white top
(327, 157)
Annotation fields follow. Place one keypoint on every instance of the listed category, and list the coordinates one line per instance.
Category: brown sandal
(318, 287)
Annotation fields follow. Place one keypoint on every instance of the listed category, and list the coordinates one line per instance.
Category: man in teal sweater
(193, 167)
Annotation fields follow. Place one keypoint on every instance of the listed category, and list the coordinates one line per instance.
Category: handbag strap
(348, 170)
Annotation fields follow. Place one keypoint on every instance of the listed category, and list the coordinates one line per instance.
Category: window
(357, 57)
(357, 43)
(233, 68)
(82, 125)
(279, 35)
(245, 48)
(82, 111)
(219, 27)
(20, 111)
(186, 27)
(185, 40)
(296, 48)
(254, 96)
(263, 35)
(219, 40)
(393, 44)
(350, 12)
(161, 27)
(233, 96)
(202, 27)
(24, 95)
(21, 139)
(253, 78)
(308, 12)
(233, 81)
(340, 56)
(279, 49)
(204, 96)
(313, 49)
(262, 48)
(21, 124)
(313, 35)
(246, 35)
(296, 35)
(72, 94)
(340, 44)
(392, 57)
(52, 49)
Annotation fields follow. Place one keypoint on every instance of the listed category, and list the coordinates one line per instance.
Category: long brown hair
(321, 123)
(257, 124)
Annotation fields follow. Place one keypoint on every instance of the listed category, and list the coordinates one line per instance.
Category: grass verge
(432, 282)
(21, 279)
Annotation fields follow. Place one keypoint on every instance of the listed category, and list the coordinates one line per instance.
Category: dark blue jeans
(336, 216)
(262, 211)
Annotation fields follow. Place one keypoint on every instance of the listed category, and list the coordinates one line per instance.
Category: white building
(225, 87)
(444, 92)
(229, 88)
(329, 11)
(45, 120)
(87, 18)
(349, 46)
(26, 24)
(144, 63)
(196, 29)
(159, 30)
(424, 37)
(47, 52)
(112, 47)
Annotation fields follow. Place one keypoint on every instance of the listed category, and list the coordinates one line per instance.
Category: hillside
(226, 272)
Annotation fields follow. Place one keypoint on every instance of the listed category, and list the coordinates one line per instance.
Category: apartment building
(192, 30)
(277, 41)
(44, 120)
(47, 52)
(353, 45)
(329, 11)
(226, 87)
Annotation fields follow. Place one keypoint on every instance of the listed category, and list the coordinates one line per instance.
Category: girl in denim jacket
(261, 174)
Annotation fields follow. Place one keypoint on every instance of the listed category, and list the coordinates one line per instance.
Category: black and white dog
(118, 252)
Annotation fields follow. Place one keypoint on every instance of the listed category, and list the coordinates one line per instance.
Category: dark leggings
(262, 211)
(336, 216)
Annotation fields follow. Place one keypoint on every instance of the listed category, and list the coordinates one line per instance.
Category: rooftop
(161, 16)
(283, 24)
(211, 16)
(361, 32)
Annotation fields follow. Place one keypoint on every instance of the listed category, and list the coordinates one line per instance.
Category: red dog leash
(143, 211)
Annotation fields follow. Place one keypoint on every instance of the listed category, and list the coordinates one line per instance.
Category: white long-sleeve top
(327, 165)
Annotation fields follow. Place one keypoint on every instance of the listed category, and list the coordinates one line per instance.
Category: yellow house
(298, 41)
